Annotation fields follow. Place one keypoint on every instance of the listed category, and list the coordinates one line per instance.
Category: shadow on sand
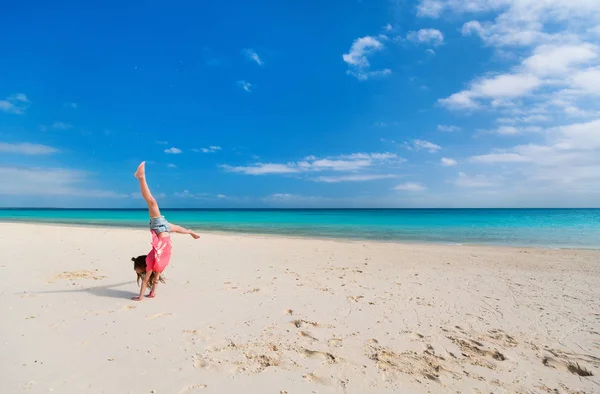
(99, 291)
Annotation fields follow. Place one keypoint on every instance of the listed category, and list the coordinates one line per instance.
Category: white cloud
(389, 27)
(353, 178)
(173, 151)
(507, 130)
(221, 196)
(171, 165)
(14, 104)
(410, 187)
(183, 194)
(281, 196)
(49, 182)
(500, 158)
(556, 56)
(19, 97)
(347, 163)
(525, 119)
(361, 47)
(426, 36)
(252, 55)
(210, 149)
(293, 199)
(188, 194)
(262, 169)
(465, 180)
(26, 148)
(568, 160)
(447, 162)
(556, 60)
(336, 165)
(376, 156)
(526, 22)
(447, 128)
(61, 126)
(587, 81)
(363, 75)
(71, 105)
(245, 85)
(357, 60)
(429, 146)
(504, 86)
(580, 136)
(430, 8)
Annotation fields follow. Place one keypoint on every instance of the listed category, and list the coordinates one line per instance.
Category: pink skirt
(159, 256)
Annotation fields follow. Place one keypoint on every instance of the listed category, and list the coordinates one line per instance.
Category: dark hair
(140, 263)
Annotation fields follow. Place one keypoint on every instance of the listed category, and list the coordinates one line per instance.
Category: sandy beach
(258, 314)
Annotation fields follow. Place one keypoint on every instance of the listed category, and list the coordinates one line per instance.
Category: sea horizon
(577, 228)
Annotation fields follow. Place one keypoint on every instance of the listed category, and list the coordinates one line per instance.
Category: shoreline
(300, 236)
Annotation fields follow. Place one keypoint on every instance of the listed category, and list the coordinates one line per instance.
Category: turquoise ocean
(554, 228)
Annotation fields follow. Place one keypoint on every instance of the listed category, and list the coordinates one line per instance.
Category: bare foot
(141, 171)
(151, 295)
(137, 298)
(195, 236)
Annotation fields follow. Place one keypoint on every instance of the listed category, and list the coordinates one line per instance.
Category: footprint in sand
(28, 386)
(306, 334)
(158, 315)
(476, 350)
(568, 362)
(355, 298)
(391, 363)
(194, 388)
(330, 358)
(415, 335)
(304, 323)
(200, 363)
(311, 377)
(301, 323)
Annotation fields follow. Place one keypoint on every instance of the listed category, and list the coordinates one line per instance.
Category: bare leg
(143, 287)
(140, 174)
(178, 229)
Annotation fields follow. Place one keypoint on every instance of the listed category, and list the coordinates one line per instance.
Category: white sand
(249, 314)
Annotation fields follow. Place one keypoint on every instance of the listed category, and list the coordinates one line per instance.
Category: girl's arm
(144, 285)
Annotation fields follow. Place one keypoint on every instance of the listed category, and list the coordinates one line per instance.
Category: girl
(139, 266)
(160, 254)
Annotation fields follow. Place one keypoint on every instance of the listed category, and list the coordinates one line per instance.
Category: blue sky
(430, 103)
